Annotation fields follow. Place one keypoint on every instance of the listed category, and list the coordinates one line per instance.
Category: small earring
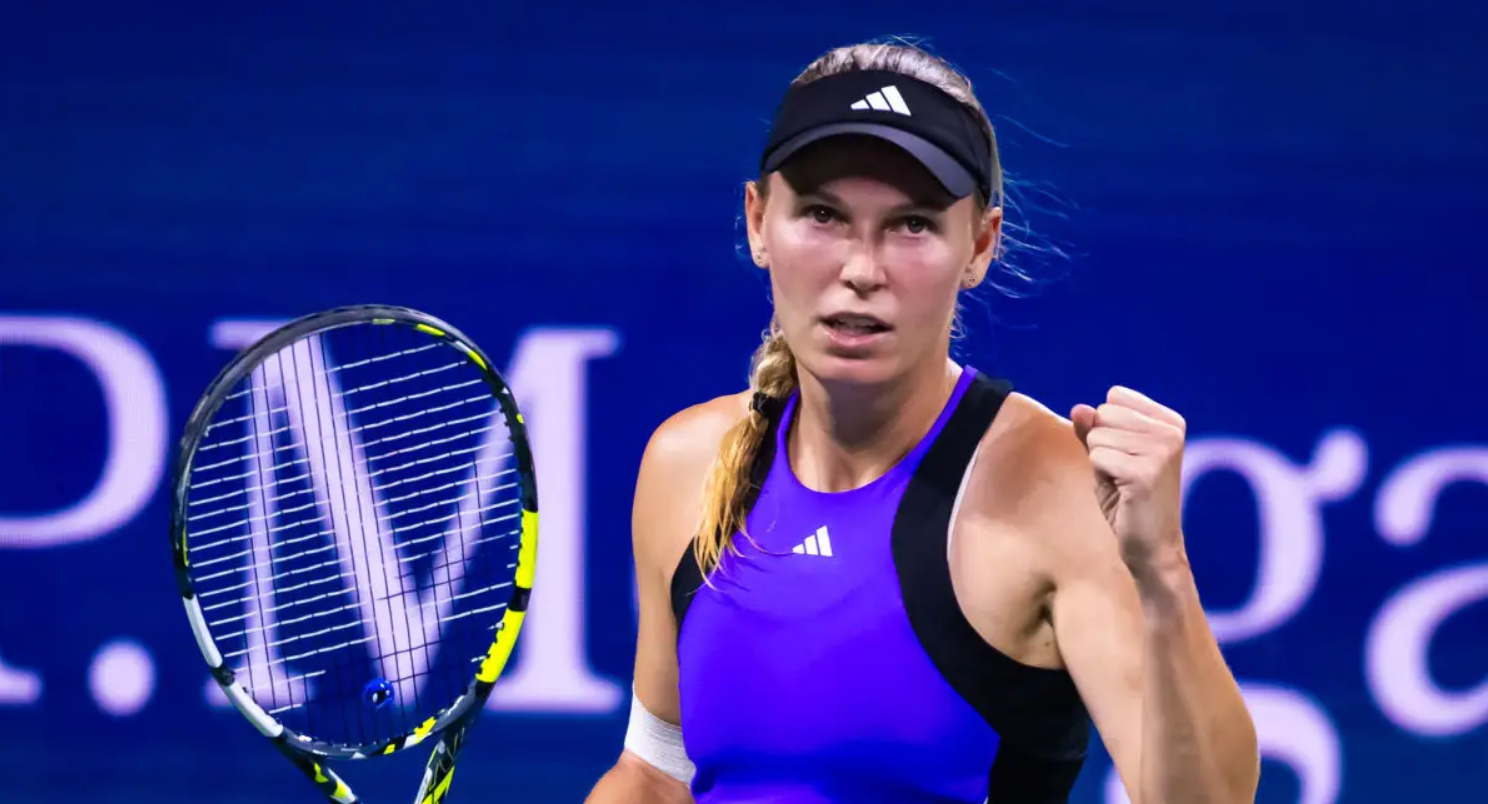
(973, 277)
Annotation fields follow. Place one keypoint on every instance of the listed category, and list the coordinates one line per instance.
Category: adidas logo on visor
(887, 99)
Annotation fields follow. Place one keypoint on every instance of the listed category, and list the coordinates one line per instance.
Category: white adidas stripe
(824, 541)
(817, 544)
(887, 99)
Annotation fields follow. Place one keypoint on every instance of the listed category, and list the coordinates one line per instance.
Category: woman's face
(866, 254)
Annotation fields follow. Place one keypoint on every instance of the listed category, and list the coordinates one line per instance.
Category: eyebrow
(911, 205)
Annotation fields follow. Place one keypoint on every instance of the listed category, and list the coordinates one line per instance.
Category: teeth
(855, 324)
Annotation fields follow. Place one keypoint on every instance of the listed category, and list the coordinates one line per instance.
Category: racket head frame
(305, 750)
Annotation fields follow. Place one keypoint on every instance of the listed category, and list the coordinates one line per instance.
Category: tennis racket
(354, 523)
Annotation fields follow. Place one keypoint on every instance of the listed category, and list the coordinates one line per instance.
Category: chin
(855, 370)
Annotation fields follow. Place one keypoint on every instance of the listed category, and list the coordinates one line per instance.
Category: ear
(754, 221)
(988, 237)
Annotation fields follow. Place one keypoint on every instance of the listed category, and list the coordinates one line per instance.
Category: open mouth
(849, 324)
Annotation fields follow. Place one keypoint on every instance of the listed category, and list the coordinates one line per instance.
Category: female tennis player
(878, 576)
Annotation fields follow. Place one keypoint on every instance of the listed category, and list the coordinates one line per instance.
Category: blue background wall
(1273, 214)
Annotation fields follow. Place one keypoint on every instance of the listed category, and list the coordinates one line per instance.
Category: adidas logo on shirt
(887, 99)
(817, 544)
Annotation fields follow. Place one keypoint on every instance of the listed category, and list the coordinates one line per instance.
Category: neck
(845, 437)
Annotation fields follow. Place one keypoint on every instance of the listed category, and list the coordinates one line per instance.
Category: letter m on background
(551, 670)
(303, 400)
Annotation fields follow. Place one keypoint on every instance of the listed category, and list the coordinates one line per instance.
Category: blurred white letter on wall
(134, 402)
(1397, 649)
(552, 671)
(134, 457)
(1289, 500)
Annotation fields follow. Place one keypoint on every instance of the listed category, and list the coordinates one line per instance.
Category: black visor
(934, 128)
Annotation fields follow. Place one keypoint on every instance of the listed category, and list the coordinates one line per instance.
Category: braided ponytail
(729, 487)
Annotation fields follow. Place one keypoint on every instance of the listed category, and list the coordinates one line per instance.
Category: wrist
(1146, 562)
(1164, 580)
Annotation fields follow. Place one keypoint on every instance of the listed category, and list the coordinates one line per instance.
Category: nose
(862, 271)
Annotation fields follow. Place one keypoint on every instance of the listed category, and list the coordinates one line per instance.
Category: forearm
(1198, 740)
(632, 781)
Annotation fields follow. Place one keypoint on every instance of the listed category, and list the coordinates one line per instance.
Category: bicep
(664, 517)
(668, 500)
(661, 524)
(654, 765)
(1042, 488)
(653, 738)
(656, 648)
(1098, 628)
(656, 634)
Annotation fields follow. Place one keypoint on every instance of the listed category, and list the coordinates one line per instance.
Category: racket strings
(328, 372)
(299, 449)
(503, 459)
(287, 559)
(348, 414)
(320, 518)
(284, 679)
(283, 410)
(318, 539)
(275, 468)
(283, 591)
(334, 546)
(327, 612)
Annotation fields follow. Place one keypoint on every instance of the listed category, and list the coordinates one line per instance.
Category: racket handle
(331, 784)
(326, 779)
(441, 768)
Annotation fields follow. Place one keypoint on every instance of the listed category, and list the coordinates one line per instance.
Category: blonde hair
(730, 489)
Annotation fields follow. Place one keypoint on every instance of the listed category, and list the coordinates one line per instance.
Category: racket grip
(329, 783)
(441, 768)
(326, 779)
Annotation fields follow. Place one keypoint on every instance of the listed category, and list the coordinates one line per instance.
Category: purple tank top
(802, 680)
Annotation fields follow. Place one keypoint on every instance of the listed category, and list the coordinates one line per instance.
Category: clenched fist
(1136, 447)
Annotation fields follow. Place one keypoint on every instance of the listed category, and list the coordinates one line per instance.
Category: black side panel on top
(688, 577)
(1042, 723)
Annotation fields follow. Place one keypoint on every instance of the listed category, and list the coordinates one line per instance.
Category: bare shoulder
(692, 435)
(674, 468)
(1028, 512)
(1041, 482)
(1034, 484)
(1032, 452)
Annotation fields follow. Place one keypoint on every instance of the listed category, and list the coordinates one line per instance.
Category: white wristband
(657, 742)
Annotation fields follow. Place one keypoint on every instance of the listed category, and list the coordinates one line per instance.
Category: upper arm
(1094, 606)
(1098, 630)
(664, 513)
(668, 499)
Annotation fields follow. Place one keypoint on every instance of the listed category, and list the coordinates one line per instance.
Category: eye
(820, 214)
(917, 224)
